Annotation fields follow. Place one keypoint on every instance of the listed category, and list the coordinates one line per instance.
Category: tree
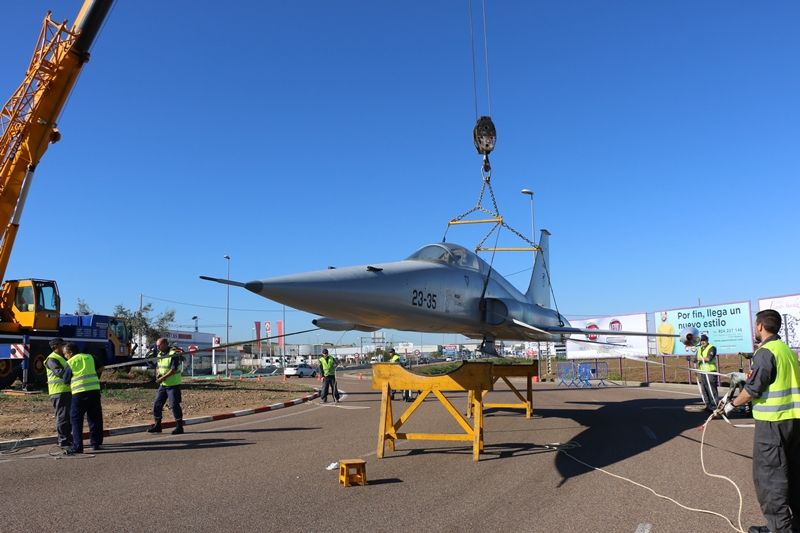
(145, 327)
(83, 308)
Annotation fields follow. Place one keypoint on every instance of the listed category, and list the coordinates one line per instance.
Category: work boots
(178, 428)
(156, 428)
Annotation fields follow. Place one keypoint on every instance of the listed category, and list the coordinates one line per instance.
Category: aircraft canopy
(448, 253)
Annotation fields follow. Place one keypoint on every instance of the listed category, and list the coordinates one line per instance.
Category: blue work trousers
(174, 395)
(87, 404)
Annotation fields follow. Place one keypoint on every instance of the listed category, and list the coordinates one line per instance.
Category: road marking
(649, 434)
(744, 425)
(643, 528)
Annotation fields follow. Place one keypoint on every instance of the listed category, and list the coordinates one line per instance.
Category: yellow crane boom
(28, 120)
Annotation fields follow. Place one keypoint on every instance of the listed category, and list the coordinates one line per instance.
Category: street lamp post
(533, 238)
(195, 324)
(227, 315)
(533, 231)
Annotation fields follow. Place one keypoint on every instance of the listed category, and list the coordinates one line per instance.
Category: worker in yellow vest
(774, 389)
(327, 365)
(168, 377)
(85, 387)
(707, 361)
(60, 392)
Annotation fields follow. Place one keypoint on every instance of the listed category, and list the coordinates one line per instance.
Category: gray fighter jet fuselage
(441, 288)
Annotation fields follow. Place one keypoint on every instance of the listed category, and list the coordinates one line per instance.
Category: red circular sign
(592, 326)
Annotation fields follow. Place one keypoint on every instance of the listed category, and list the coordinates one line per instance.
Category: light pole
(227, 315)
(195, 323)
(533, 231)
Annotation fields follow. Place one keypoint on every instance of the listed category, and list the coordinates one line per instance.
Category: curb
(41, 441)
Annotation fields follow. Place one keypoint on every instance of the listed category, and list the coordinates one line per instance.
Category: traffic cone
(241, 377)
(360, 376)
(219, 377)
(284, 377)
(259, 378)
(230, 376)
(536, 379)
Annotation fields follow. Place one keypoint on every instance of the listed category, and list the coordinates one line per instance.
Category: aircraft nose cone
(317, 292)
(254, 286)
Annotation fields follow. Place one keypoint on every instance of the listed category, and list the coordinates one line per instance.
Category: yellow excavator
(30, 308)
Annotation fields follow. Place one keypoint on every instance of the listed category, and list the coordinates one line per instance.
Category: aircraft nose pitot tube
(690, 336)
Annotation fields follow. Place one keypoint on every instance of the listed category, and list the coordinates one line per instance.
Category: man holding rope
(774, 389)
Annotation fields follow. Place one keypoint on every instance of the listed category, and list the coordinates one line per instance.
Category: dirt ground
(129, 401)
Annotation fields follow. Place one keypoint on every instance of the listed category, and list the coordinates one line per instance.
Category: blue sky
(660, 139)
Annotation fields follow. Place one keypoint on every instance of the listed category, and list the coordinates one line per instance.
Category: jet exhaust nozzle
(690, 336)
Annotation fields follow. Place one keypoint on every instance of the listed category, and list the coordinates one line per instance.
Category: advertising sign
(626, 345)
(258, 333)
(727, 326)
(534, 349)
(789, 308)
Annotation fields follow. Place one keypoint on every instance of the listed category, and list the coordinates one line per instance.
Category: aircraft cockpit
(448, 253)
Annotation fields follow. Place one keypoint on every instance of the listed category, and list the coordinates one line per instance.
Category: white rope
(559, 447)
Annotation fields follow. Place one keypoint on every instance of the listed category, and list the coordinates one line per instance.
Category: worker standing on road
(393, 358)
(168, 377)
(774, 388)
(60, 392)
(707, 362)
(85, 387)
(327, 365)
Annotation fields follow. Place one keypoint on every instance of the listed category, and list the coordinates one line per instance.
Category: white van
(374, 360)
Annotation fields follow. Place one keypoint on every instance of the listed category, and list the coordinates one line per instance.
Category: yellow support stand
(472, 377)
(504, 372)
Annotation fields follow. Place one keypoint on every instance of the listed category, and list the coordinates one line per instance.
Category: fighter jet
(440, 288)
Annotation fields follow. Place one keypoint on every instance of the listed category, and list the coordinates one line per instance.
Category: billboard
(625, 345)
(789, 308)
(728, 327)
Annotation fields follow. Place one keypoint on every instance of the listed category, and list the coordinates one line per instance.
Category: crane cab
(29, 305)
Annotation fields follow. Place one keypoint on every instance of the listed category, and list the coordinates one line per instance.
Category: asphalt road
(268, 472)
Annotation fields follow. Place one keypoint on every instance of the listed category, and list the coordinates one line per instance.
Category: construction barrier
(566, 371)
(588, 371)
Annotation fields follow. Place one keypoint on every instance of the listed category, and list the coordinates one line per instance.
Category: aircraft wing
(559, 330)
(587, 331)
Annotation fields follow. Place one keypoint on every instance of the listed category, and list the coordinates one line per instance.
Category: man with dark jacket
(774, 389)
(327, 365)
(60, 392)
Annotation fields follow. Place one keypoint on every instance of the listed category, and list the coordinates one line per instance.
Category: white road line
(744, 425)
(643, 528)
(649, 432)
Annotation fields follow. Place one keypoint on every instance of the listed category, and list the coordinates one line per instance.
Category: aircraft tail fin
(539, 289)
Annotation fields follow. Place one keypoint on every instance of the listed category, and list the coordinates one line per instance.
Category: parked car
(302, 370)
(374, 360)
(265, 370)
(424, 360)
